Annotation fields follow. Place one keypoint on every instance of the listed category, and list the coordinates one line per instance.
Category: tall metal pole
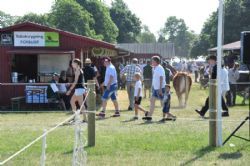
(219, 58)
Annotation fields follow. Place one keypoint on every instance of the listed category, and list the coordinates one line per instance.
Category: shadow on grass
(101, 119)
(178, 107)
(71, 151)
(68, 152)
(199, 154)
(129, 120)
(233, 155)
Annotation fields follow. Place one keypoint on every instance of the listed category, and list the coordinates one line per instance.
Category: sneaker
(162, 120)
(130, 109)
(171, 118)
(198, 112)
(225, 114)
(101, 114)
(117, 114)
(135, 118)
(84, 121)
(147, 118)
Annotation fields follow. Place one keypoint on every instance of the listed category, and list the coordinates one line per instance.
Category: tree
(70, 16)
(128, 24)
(236, 20)
(146, 36)
(103, 25)
(6, 19)
(42, 19)
(161, 39)
(176, 31)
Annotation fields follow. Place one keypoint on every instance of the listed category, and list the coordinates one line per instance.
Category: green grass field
(129, 143)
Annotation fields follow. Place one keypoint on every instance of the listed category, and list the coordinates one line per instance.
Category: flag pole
(219, 63)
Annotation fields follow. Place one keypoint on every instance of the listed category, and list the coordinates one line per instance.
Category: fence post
(91, 103)
(44, 146)
(212, 113)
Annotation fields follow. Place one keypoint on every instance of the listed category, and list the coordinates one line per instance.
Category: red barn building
(33, 51)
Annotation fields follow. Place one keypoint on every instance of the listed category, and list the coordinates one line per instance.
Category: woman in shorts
(78, 86)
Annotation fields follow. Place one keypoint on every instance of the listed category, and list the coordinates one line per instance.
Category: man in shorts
(158, 85)
(110, 84)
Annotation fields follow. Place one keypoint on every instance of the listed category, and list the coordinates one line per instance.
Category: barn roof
(228, 47)
(66, 33)
(166, 50)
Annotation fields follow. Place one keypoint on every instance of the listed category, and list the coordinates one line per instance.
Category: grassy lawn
(129, 143)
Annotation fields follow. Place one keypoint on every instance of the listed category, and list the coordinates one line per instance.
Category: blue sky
(151, 12)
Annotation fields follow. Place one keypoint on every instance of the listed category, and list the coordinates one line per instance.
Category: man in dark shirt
(88, 70)
(168, 73)
(212, 60)
(147, 75)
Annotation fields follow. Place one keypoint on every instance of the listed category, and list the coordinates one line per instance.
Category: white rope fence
(36, 140)
(76, 116)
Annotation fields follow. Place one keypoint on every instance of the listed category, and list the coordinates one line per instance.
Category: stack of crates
(36, 94)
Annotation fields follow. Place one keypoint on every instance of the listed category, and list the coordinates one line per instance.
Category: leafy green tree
(176, 31)
(6, 19)
(103, 24)
(236, 20)
(70, 16)
(36, 18)
(146, 36)
(129, 24)
(161, 39)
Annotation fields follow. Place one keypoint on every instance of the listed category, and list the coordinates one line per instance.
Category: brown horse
(182, 83)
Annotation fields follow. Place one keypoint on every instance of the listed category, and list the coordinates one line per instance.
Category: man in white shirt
(110, 83)
(224, 81)
(158, 85)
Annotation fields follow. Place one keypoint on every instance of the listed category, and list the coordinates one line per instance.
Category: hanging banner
(36, 39)
(102, 52)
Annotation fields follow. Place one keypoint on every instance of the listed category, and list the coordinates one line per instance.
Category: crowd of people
(134, 76)
(153, 77)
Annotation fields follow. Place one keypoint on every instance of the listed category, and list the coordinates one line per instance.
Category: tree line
(118, 24)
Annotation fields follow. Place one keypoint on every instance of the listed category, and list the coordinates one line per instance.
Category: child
(138, 95)
(166, 107)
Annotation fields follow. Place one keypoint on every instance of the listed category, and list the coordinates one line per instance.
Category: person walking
(166, 115)
(138, 96)
(130, 71)
(110, 84)
(78, 87)
(158, 85)
(212, 60)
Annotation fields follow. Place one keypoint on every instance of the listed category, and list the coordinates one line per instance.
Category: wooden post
(91, 103)
(212, 113)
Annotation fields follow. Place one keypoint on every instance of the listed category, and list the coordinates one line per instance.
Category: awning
(228, 47)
